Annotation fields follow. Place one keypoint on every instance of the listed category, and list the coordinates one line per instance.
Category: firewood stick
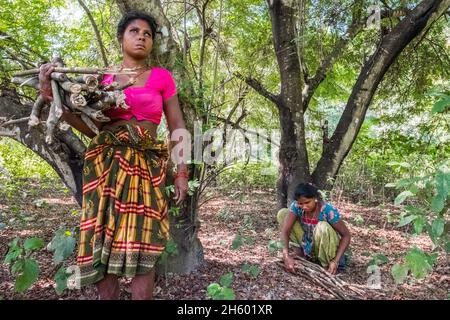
(126, 85)
(112, 86)
(89, 123)
(89, 81)
(334, 291)
(116, 86)
(51, 123)
(98, 105)
(77, 100)
(58, 76)
(95, 114)
(320, 272)
(80, 70)
(36, 111)
(72, 141)
(55, 113)
(29, 82)
(15, 121)
(57, 99)
(73, 87)
(7, 134)
(119, 98)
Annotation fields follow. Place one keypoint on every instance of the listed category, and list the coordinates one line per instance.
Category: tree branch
(327, 63)
(409, 29)
(97, 33)
(236, 125)
(20, 45)
(258, 87)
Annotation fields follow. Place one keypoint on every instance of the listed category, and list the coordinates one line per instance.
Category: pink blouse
(146, 103)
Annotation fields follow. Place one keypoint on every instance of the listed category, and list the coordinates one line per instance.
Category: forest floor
(37, 210)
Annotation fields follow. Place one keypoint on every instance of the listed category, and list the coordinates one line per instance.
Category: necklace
(132, 79)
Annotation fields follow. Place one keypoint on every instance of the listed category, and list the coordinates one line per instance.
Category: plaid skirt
(124, 224)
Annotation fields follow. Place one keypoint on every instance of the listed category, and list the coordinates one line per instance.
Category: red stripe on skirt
(85, 259)
(132, 170)
(94, 152)
(95, 183)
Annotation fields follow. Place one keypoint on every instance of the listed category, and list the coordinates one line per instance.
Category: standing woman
(124, 224)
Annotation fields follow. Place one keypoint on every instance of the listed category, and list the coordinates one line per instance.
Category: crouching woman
(315, 228)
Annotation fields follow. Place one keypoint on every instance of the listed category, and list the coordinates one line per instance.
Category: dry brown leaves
(252, 215)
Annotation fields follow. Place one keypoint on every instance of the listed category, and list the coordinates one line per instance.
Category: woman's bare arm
(289, 221)
(175, 121)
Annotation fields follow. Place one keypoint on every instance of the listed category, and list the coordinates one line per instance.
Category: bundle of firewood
(320, 276)
(83, 94)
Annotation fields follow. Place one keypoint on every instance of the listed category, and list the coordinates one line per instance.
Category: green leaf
(33, 244)
(226, 279)
(192, 185)
(441, 105)
(17, 267)
(171, 247)
(29, 275)
(406, 220)
(213, 289)
(254, 270)
(63, 245)
(238, 241)
(419, 222)
(391, 185)
(447, 246)
(432, 258)
(437, 203)
(13, 254)
(169, 189)
(379, 259)
(174, 211)
(61, 277)
(418, 262)
(399, 272)
(228, 294)
(274, 245)
(437, 227)
(402, 197)
(399, 164)
(442, 183)
(413, 209)
(359, 220)
(40, 203)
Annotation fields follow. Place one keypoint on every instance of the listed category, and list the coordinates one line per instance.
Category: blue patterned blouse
(327, 213)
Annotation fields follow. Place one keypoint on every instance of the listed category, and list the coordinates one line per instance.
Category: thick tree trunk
(293, 157)
(65, 155)
(184, 227)
(372, 73)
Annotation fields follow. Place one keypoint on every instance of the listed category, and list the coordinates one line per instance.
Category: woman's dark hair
(133, 15)
(307, 190)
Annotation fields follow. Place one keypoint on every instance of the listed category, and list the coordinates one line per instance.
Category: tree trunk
(372, 73)
(293, 157)
(65, 156)
(184, 227)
